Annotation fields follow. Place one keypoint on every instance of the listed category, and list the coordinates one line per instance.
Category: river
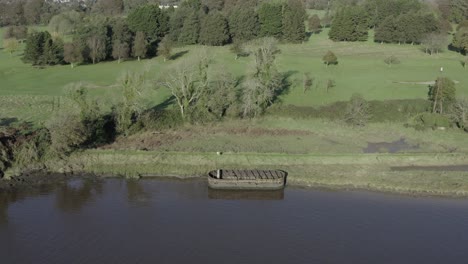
(170, 221)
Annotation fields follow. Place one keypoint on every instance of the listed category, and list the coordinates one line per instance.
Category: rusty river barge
(247, 179)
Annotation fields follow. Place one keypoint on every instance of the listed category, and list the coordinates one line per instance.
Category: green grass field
(361, 70)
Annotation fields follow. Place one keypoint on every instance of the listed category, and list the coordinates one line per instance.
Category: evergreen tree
(53, 51)
(385, 32)
(270, 17)
(191, 30)
(349, 24)
(293, 27)
(34, 47)
(244, 24)
(150, 20)
(214, 30)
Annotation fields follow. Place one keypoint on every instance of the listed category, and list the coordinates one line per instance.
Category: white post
(218, 174)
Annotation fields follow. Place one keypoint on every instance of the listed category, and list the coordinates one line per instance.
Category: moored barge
(247, 179)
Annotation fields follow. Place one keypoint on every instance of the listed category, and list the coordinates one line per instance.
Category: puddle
(389, 147)
(432, 168)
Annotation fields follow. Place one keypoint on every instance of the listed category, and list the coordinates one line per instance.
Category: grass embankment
(313, 152)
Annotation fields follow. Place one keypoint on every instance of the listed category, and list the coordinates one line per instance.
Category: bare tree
(459, 112)
(97, 48)
(307, 82)
(120, 51)
(188, 82)
(72, 53)
(434, 43)
(11, 45)
(263, 86)
(358, 111)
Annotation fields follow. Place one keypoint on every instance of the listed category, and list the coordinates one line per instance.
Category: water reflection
(9, 197)
(245, 195)
(75, 194)
(136, 193)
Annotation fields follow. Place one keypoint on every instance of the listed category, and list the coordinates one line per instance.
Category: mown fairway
(31, 94)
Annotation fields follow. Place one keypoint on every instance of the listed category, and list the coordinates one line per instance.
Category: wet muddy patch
(390, 147)
(463, 168)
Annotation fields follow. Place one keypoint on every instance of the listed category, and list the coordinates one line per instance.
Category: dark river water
(167, 221)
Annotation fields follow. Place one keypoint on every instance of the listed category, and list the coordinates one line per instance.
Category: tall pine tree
(293, 26)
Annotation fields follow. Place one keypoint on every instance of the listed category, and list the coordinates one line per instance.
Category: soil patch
(432, 168)
(389, 147)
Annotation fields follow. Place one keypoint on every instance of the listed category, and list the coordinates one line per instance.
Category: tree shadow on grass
(286, 84)
(178, 55)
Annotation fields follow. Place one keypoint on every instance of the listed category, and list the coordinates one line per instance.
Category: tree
(293, 27)
(243, 24)
(17, 32)
(270, 17)
(130, 107)
(265, 83)
(460, 40)
(358, 111)
(41, 49)
(386, 31)
(120, 50)
(72, 53)
(314, 24)
(222, 94)
(190, 31)
(391, 60)
(434, 42)
(64, 23)
(349, 24)
(97, 48)
(109, 7)
(330, 58)
(165, 48)
(442, 94)
(214, 30)
(11, 45)
(53, 51)
(459, 112)
(188, 82)
(32, 11)
(307, 82)
(150, 20)
(139, 45)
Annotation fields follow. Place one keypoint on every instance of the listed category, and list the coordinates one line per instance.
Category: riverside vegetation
(311, 109)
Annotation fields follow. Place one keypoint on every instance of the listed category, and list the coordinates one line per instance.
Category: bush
(430, 120)
(358, 111)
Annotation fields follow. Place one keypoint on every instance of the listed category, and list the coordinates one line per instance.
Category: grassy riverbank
(313, 152)
(363, 171)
